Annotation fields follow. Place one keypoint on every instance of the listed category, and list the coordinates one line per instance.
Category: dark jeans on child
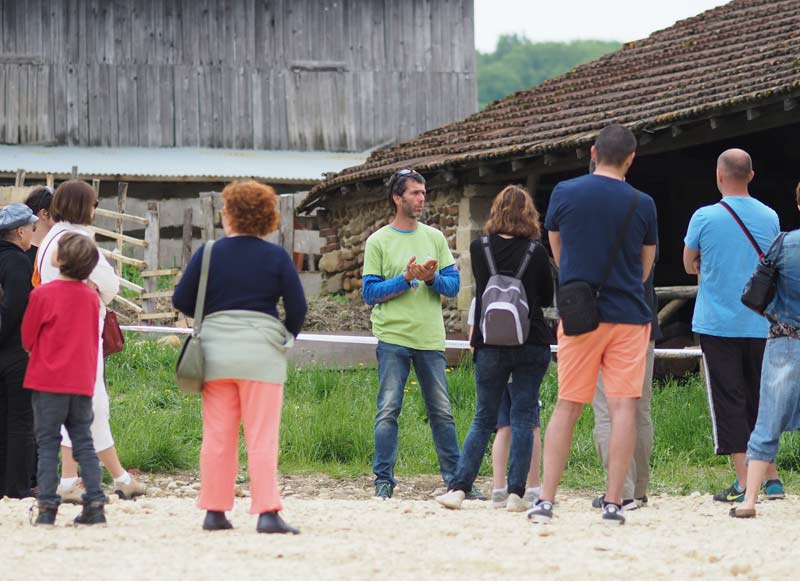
(74, 412)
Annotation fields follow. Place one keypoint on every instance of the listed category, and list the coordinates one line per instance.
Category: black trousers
(733, 380)
(17, 447)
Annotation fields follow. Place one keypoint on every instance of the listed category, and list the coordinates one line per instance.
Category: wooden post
(207, 204)
(74, 172)
(20, 178)
(122, 196)
(286, 206)
(187, 237)
(152, 235)
(51, 182)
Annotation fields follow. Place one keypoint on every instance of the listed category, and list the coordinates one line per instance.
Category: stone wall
(351, 219)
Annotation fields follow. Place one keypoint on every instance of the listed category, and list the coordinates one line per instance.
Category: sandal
(743, 513)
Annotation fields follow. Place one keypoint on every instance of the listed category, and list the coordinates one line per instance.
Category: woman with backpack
(512, 284)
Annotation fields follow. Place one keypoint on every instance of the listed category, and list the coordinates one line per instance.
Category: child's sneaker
(47, 514)
(612, 514)
(93, 513)
(451, 499)
(541, 513)
(499, 497)
(130, 490)
(517, 504)
(773, 489)
(73, 494)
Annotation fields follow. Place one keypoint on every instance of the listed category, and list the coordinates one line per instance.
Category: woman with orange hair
(244, 345)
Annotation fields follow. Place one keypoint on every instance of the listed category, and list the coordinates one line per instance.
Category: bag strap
(743, 227)
(620, 238)
(526, 260)
(489, 258)
(43, 254)
(201, 288)
(775, 249)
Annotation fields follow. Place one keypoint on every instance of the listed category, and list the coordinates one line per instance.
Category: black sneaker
(383, 490)
(93, 513)
(627, 503)
(612, 514)
(541, 513)
(730, 494)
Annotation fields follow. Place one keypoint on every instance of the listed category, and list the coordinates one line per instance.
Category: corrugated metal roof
(214, 164)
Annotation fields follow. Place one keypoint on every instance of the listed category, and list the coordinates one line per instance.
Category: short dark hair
(614, 144)
(73, 202)
(397, 183)
(77, 255)
(40, 199)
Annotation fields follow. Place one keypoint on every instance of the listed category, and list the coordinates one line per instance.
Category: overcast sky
(622, 20)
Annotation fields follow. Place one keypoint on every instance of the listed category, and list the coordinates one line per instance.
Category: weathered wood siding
(263, 74)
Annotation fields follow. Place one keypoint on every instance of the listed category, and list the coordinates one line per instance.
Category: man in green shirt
(407, 266)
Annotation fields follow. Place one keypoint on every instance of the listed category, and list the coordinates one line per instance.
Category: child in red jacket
(60, 331)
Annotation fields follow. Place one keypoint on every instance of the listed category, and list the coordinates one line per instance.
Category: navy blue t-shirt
(588, 212)
(245, 273)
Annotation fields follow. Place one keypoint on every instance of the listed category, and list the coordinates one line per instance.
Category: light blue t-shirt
(727, 261)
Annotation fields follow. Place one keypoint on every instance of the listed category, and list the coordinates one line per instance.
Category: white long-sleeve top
(103, 274)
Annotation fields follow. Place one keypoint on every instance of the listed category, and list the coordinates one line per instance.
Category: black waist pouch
(760, 289)
(577, 306)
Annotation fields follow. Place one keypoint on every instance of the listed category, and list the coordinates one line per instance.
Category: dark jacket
(537, 280)
(15, 279)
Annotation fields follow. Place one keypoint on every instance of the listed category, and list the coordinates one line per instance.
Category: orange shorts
(618, 350)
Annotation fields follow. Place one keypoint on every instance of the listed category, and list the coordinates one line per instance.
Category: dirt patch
(328, 314)
(348, 534)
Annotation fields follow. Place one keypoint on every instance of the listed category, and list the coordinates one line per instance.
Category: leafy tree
(518, 63)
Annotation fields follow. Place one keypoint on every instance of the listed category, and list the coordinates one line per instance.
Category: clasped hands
(424, 272)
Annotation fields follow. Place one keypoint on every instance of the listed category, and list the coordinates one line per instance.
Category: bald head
(735, 165)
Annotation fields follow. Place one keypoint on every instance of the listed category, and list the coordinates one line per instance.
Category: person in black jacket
(17, 446)
(513, 223)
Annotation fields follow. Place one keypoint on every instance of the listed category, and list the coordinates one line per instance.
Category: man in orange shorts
(603, 232)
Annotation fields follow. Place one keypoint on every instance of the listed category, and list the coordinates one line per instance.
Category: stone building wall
(459, 212)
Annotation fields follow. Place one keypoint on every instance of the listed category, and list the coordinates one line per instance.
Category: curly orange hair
(251, 208)
(514, 213)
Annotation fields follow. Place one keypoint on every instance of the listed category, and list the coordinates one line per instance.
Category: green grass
(328, 416)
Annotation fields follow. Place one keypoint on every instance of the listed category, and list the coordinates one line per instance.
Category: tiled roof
(745, 52)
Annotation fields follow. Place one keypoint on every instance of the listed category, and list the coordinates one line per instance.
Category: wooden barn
(176, 97)
(729, 77)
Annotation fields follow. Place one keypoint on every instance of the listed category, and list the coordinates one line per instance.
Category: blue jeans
(779, 405)
(394, 364)
(74, 412)
(493, 366)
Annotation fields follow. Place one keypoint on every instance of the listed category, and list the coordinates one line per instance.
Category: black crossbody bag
(760, 289)
(577, 300)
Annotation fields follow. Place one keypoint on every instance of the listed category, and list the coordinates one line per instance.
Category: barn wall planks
(264, 74)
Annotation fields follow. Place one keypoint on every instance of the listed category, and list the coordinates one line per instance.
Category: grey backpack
(505, 314)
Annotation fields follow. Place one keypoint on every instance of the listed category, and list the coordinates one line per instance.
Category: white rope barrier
(689, 353)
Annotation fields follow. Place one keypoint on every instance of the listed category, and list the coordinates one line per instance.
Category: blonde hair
(514, 213)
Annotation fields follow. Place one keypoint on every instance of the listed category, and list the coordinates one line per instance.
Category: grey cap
(16, 215)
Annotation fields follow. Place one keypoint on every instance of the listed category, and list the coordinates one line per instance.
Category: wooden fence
(146, 307)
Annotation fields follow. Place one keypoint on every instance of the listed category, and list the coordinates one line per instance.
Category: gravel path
(347, 534)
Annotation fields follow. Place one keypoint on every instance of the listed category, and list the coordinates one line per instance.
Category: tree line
(518, 63)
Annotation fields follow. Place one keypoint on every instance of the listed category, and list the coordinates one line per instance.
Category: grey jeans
(638, 477)
(50, 412)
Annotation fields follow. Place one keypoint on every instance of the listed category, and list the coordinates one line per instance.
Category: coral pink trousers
(226, 404)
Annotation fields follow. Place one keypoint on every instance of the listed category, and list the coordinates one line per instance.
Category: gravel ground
(346, 534)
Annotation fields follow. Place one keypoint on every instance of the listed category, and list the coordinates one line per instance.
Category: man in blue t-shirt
(733, 337)
(585, 218)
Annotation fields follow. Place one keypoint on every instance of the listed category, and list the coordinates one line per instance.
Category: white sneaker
(451, 499)
(517, 504)
(499, 497)
(73, 494)
(532, 494)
